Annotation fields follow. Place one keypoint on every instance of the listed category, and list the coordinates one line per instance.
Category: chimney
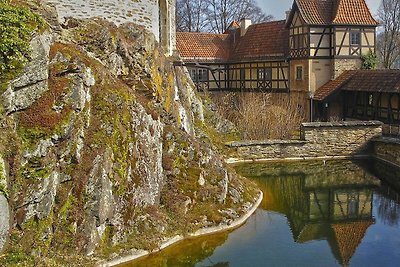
(288, 14)
(244, 25)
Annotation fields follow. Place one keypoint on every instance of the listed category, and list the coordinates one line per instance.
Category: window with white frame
(355, 38)
(199, 75)
(264, 74)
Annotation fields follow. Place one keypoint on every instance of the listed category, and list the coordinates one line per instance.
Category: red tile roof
(330, 87)
(387, 81)
(316, 11)
(337, 12)
(353, 12)
(263, 41)
(233, 26)
(203, 47)
(267, 40)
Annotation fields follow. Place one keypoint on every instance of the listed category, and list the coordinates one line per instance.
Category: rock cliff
(106, 149)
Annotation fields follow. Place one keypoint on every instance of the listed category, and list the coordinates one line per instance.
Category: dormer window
(355, 38)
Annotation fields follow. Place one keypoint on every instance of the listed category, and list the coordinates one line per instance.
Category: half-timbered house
(319, 40)
(244, 58)
(361, 95)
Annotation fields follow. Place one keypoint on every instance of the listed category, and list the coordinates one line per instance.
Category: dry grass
(261, 115)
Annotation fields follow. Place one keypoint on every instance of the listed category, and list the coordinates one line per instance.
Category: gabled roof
(315, 11)
(233, 26)
(387, 81)
(263, 41)
(268, 40)
(353, 12)
(204, 47)
(334, 12)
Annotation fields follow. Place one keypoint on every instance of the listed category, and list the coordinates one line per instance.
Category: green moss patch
(17, 26)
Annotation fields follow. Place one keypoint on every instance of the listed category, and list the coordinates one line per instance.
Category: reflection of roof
(337, 12)
(343, 238)
(347, 237)
(203, 47)
(387, 81)
(312, 231)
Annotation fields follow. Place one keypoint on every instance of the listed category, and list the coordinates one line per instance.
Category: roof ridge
(205, 33)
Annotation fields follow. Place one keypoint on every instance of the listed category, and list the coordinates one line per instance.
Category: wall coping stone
(265, 142)
(341, 124)
(387, 140)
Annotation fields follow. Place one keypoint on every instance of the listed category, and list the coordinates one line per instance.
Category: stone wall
(146, 13)
(388, 149)
(319, 140)
(341, 65)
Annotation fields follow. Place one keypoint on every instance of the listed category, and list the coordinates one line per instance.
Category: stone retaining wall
(319, 140)
(387, 149)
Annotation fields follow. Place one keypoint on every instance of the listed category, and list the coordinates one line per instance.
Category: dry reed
(260, 115)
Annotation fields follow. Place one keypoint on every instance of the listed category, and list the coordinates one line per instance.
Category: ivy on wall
(370, 61)
(17, 24)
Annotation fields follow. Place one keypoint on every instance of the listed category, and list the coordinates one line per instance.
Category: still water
(337, 213)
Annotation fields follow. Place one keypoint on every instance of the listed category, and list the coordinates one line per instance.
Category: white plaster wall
(141, 12)
(172, 7)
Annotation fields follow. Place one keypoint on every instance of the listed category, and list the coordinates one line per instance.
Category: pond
(334, 213)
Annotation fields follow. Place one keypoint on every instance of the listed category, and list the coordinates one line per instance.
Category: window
(370, 99)
(202, 75)
(299, 72)
(355, 38)
(242, 74)
(264, 74)
(193, 74)
(198, 75)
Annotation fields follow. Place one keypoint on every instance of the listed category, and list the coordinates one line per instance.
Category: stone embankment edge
(387, 161)
(202, 232)
(242, 160)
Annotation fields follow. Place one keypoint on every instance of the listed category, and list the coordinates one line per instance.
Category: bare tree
(223, 12)
(389, 39)
(191, 15)
(215, 15)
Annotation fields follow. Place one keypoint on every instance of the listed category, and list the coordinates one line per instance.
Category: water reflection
(186, 253)
(330, 201)
(313, 214)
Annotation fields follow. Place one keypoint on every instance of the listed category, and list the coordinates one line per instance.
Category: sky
(277, 8)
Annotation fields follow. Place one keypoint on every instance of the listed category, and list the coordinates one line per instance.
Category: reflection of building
(330, 202)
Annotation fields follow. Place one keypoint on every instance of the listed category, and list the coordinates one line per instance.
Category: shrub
(17, 25)
(261, 115)
(370, 61)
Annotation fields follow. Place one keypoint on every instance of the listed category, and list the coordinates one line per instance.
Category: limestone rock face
(100, 204)
(4, 221)
(148, 150)
(40, 199)
(30, 86)
(110, 148)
